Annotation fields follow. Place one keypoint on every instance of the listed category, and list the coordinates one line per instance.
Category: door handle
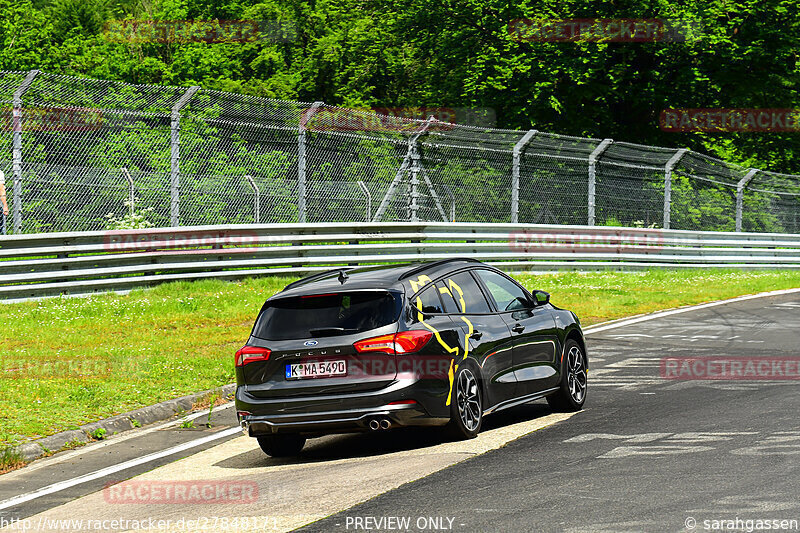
(518, 328)
(476, 335)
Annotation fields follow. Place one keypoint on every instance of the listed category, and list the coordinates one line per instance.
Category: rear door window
(326, 315)
(474, 300)
(429, 298)
(450, 305)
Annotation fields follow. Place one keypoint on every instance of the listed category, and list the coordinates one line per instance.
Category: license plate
(317, 369)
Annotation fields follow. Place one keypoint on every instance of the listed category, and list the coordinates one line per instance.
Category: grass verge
(69, 361)
(10, 460)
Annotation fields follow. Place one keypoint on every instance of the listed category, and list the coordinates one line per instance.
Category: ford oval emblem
(310, 343)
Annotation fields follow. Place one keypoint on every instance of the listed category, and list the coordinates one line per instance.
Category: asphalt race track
(652, 451)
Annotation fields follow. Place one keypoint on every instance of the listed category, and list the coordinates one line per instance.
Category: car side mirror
(541, 297)
(520, 304)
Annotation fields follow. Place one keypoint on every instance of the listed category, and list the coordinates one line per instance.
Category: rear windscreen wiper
(328, 332)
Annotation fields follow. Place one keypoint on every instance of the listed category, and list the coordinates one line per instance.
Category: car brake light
(412, 341)
(251, 354)
(398, 343)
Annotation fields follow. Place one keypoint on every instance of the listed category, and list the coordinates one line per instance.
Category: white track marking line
(660, 314)
(61, 485)
(110, 441)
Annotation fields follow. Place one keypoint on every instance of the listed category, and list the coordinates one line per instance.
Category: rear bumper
(341, 413)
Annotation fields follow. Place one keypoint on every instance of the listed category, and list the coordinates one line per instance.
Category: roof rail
(312, 277)
(425, 266)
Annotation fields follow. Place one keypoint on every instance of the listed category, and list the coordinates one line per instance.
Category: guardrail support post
(515, 163)
(593, 157)
(368, 197)
(175, 156)
(257, 202)
(740, 196)
(131, 190)
(668, 184)
(16, 148)
(301, 161)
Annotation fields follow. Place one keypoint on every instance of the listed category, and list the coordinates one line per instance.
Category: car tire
(466, 405)
(571, 393)
(281, 445)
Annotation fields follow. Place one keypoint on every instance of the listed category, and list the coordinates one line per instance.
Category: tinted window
(429, 299)
(326, 315)
(450, 305)
(473, 296)
(505, 292)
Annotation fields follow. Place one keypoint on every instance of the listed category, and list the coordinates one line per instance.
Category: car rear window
(326, 315)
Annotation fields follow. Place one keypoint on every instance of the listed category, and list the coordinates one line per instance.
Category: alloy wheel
(576, 374)
(468, 400)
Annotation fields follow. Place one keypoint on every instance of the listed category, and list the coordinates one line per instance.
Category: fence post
(593, 157)
(515, 162)
(301, 160)
(368, 197)
(175, 156)
(452, 202)
(668, 184)
(131, 190)
(257, 202)
(414, 181)
(740, 196)
(413, 151)
(404, 166)
(16, 148)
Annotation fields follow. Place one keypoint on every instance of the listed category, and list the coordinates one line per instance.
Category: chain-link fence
(82, 154)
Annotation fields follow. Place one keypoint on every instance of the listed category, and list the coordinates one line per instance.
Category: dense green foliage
(447, 53)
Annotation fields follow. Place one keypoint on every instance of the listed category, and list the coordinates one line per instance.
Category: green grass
(68, 361)
(602, 296)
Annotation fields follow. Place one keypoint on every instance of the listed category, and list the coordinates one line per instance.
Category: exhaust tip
(386, 423)
(374, 425)
(245, 426)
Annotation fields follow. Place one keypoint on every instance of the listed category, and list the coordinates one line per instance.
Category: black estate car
(433, 344)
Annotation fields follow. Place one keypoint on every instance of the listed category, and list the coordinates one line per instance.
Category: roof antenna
(342, 277)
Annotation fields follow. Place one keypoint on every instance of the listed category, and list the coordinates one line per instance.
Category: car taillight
(398, 343)
(412, 341)
(251, 354)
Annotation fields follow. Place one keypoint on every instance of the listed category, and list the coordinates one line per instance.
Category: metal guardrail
(51, 264)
